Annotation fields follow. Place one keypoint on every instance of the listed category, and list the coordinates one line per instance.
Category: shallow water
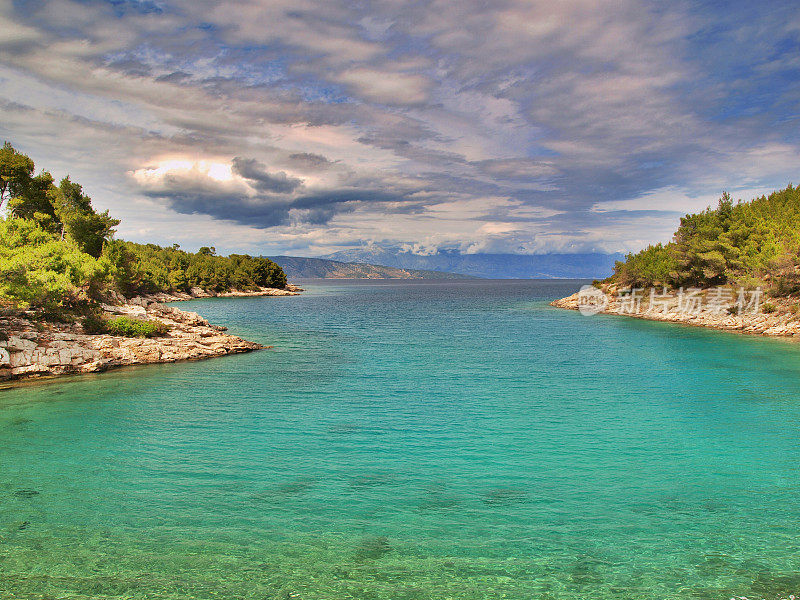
(422, 440)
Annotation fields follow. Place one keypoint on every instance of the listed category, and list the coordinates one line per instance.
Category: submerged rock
(294, 487)
(373, 547)
(437, 497)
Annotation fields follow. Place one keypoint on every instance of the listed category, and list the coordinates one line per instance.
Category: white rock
(19, 359)
(19, 343)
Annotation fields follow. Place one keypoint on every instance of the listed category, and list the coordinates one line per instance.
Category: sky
(297, 127)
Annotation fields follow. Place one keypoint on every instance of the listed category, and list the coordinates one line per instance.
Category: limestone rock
(197, 292)
(61, 349)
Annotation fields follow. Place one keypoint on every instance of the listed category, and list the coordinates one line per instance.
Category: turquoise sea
(416, 440)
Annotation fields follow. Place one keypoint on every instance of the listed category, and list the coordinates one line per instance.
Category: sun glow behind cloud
(215, 170)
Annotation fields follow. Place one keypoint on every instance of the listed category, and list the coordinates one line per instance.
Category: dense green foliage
(63, 210)
(57, 252)
(743, 243)
(147, 268)
(37, 269)
(652, 266)
(128, 327)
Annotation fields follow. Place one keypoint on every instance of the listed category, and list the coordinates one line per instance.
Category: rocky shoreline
(197, 293)
(32, 349)
(783, 319)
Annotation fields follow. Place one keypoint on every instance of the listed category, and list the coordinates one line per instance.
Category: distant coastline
(299, 267)
(379, 263)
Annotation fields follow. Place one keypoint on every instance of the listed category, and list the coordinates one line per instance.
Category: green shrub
(129, 327)
(94, 323)
(650, 267)
(56, 315)
(769, 307)
(41, 271)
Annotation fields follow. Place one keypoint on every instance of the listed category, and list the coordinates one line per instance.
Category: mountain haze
(298, 267)
(492, 266)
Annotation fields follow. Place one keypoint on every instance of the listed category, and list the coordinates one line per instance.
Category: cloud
(256, 174)
(309, 160)
(242, 191)
(517, 168)
(387, 87)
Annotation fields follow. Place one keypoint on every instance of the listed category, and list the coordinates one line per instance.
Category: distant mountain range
(380, 263)
(492, 266)
(297, 267)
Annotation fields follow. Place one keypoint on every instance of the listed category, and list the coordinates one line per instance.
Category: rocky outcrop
(782, 320)
(34, 349)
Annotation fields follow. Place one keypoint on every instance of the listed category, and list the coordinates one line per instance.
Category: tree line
(58, 252)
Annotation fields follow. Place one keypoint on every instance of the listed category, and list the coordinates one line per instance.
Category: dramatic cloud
(309, 160)
(244, 192)
(256, 173)
(301, 126)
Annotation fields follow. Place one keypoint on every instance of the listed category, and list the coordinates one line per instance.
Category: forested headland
(59, 255)
(750, 244)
